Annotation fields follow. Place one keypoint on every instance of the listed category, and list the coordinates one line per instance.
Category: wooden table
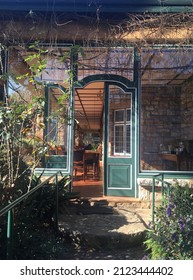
(178, 159)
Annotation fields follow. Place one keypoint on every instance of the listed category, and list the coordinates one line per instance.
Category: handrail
(25, 195)
(9, 210)
(163, 183)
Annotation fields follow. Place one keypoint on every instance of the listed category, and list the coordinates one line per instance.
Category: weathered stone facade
(145, 188)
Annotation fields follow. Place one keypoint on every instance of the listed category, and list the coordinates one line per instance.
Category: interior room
(88, 132)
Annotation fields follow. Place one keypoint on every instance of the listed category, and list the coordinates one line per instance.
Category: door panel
(119, 175)
(119, 140)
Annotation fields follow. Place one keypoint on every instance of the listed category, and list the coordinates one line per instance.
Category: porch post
(137, 85)
(3, 71)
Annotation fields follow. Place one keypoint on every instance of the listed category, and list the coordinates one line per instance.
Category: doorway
(89, 139)
(104, 121)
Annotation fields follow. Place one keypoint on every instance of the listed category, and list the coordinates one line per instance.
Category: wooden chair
(91, 164)
(78, 163)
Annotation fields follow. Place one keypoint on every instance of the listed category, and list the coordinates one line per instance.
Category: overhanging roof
(89, 6)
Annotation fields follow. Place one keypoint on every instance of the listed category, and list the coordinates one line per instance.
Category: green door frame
(47, 171)
(127, 86)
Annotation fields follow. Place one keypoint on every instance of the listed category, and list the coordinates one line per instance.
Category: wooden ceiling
(89, 106)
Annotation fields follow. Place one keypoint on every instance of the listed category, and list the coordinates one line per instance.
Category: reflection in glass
(57, 130)
(166, 110)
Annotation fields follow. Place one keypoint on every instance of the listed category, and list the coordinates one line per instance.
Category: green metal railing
(9, 210)
(165, 190)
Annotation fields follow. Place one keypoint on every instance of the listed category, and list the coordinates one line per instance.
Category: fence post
(56, 213)
(153, 198)
(9, 253)
(168, 189)
(163, 187)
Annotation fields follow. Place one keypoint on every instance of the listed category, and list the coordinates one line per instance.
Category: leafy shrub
(41, 204)
(21, 180)
(33, 218)
(171, 236)
(17, 122)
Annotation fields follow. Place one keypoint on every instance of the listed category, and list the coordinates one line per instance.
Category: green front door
(119, 140)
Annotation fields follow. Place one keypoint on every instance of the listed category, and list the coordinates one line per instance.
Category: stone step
(106, 227)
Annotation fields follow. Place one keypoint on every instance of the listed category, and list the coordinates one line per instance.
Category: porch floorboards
(93, 191)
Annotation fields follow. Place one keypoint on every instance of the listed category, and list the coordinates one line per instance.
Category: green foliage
(171, 236)
(37, 64)
(21, 181)
(41, 205)
(34, 217)
(17, 144)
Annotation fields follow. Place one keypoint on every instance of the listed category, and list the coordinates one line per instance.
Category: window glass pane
(119, 146)
(57, 130)
(128, 139)
(166, 134)
(56, 71)
(119, 116)
(106, 61)
(119, 129)
(128, 115)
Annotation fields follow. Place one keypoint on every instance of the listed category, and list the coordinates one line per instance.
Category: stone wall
(145, 188)
(187, 114)
(160, 123)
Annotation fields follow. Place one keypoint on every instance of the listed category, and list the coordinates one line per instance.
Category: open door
(120, 131)
(105, 113)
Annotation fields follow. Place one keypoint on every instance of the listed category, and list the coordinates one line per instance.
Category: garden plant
(171, 235)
